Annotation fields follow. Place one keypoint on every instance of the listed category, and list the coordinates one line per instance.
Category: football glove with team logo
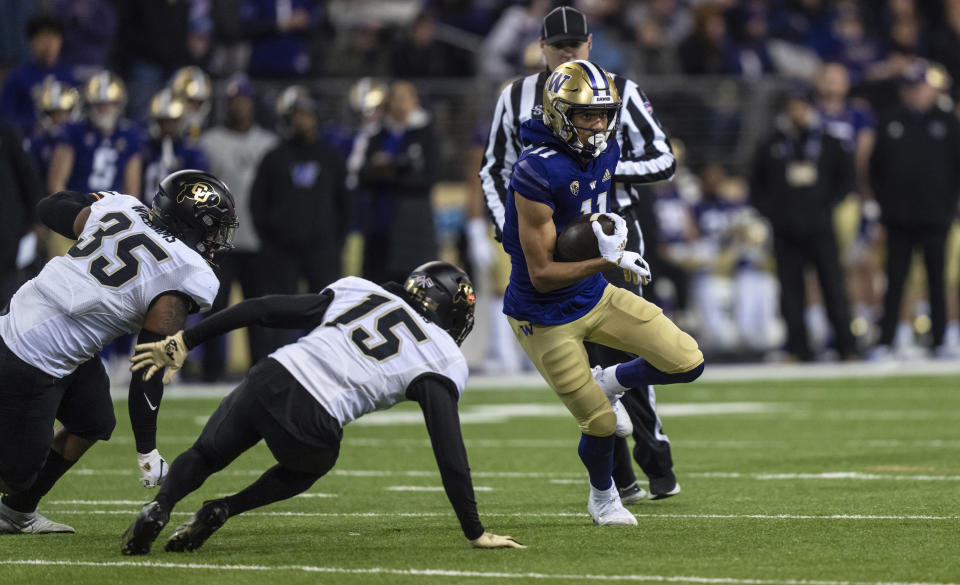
(167, 353)
(613, 248)
(153, 468)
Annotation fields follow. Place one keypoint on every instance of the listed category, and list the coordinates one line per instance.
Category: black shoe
(194, 532)
(144, 530)
(664, 487)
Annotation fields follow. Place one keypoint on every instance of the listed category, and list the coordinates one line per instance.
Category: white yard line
(535, 515)
(452, 573)
(578, 476)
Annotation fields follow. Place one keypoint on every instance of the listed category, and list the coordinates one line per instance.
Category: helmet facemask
(597, 142)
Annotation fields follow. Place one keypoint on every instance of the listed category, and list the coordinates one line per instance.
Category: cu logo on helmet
(202, 194)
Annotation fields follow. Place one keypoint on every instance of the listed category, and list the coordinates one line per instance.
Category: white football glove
(168, 353)
(479, 248)
(488, 540)
(153, 468)
(613, 248)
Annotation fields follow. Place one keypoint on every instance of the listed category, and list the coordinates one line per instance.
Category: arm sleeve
(275, 311)
(499, 157)
(646, 154)
(143, 402)
(437, 397)
(58, 211)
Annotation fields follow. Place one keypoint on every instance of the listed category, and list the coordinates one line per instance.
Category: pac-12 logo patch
(203, 194)
(575, 188)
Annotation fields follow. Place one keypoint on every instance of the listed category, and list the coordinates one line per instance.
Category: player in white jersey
(132, 269)
(368, 347)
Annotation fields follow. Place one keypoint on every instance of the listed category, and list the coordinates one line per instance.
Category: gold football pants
(621, 320)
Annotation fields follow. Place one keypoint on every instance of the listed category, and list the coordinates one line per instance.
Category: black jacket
(401, 192)
(800, 209)
(299, 198)
(20, 190)
(915, 167)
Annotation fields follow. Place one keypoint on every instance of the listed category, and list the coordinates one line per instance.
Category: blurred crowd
(789, 231)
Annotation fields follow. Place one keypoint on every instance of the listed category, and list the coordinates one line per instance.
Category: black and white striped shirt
(646, 155)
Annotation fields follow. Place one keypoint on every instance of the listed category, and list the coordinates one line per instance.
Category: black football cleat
(191, 535)
(144, 530)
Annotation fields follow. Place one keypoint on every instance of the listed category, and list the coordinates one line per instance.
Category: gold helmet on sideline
(191, 83)
(105, 88)
(580, 85)
(166, 107)
(53, 97)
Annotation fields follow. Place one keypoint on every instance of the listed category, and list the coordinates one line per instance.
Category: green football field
(789, 482)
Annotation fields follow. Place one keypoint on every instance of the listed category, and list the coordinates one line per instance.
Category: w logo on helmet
(556, 81)
(202, 194)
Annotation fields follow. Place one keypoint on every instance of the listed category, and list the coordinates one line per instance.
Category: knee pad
(96, 428)
(601, 424)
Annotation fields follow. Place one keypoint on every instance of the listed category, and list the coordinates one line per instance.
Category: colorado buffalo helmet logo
(202, 194)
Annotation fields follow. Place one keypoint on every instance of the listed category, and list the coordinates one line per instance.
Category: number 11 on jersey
(587, 207)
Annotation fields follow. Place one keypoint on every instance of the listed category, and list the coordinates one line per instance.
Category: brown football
(577, 242)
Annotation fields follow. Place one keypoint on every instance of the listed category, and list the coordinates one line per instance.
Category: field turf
(824, 481)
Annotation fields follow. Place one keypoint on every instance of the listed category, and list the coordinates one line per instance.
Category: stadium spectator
(399, 169)
(89, 30)
(45, 33)
(517, 28)
(915, 174)
(672, 17)
(652, 55)
(299, 205)
(20, 189)
(420, 54)
(708, 50)
(234, 151)
(851, 42)
(358, 50)
(945, 45)
(798, 176)
(151, 44)
(280, 32)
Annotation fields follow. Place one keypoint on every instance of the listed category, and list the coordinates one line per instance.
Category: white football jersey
(371, 346)
(102, 287)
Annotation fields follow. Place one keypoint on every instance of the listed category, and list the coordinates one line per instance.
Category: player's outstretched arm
(274, 311)
(437, 397)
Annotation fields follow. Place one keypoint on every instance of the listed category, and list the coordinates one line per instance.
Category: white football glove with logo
(488, 540)
(613, 248)
(168, 353)
(153, 468)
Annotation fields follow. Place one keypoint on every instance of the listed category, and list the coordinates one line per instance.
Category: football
(577, 242)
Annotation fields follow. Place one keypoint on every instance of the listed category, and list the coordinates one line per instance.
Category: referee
(646, 158)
